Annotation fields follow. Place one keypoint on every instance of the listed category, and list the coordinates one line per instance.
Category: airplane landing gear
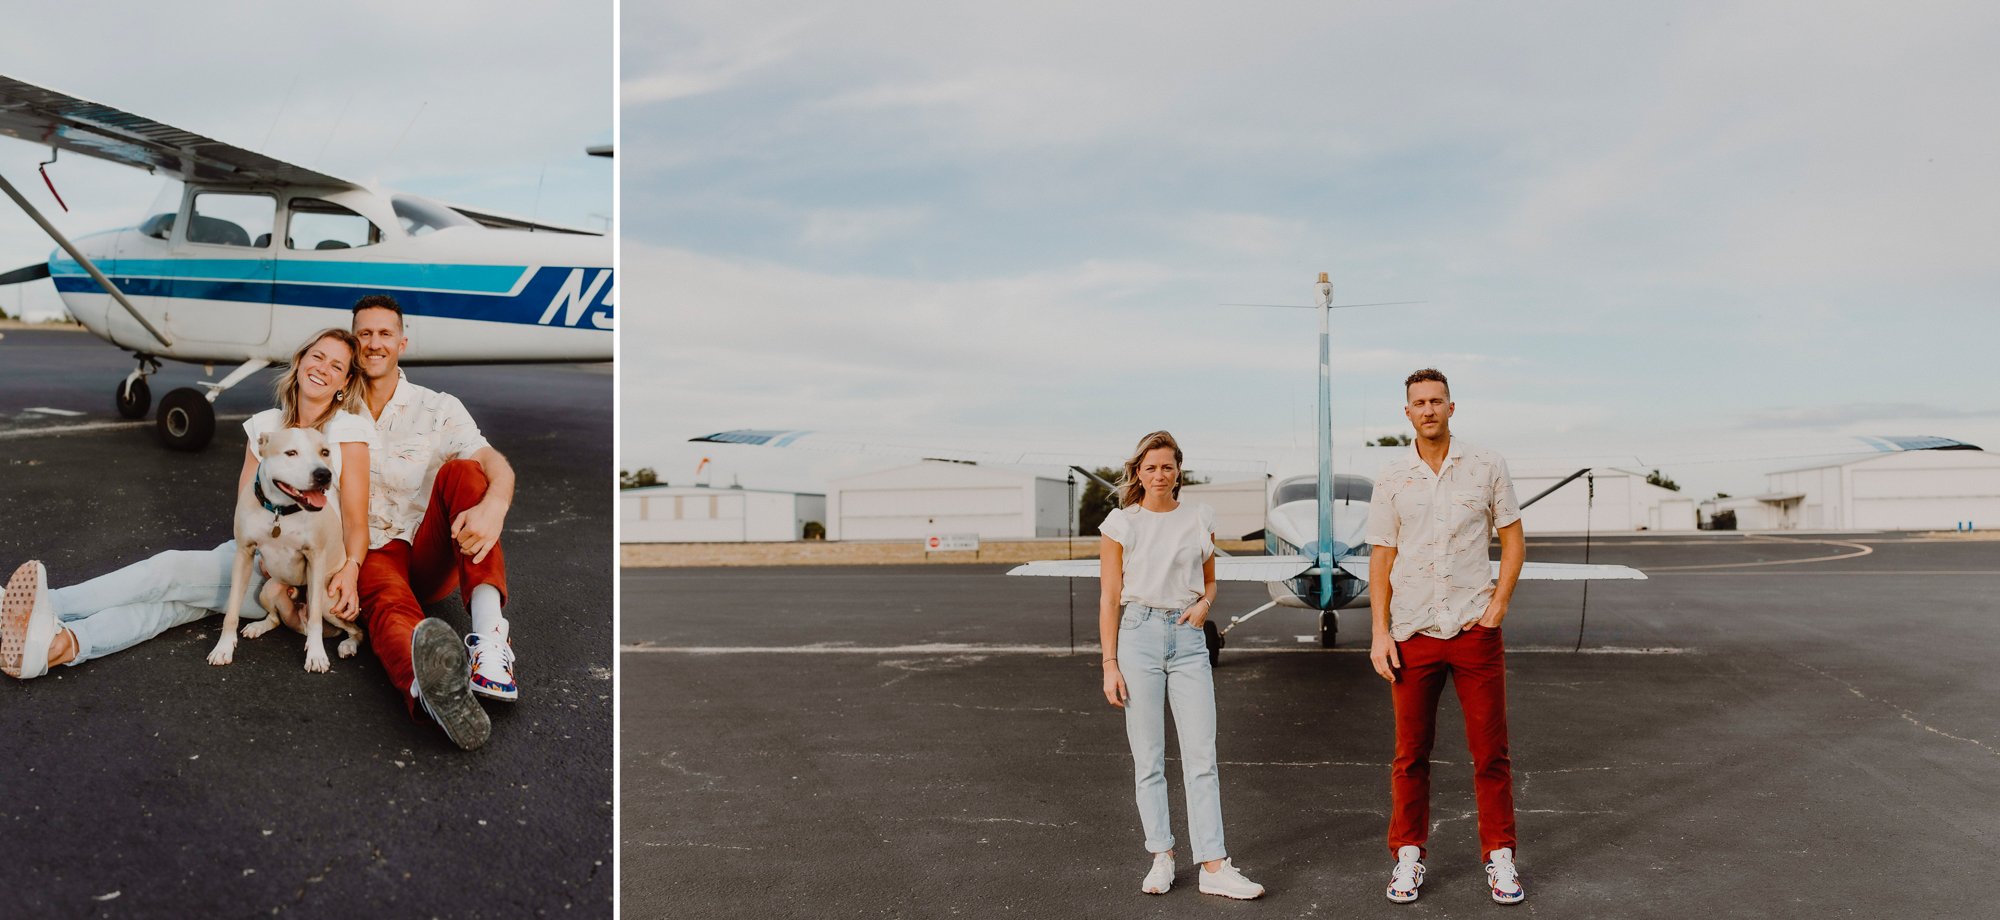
(186, 420)
(1215, 642)
(134, 397)
(1329, 623)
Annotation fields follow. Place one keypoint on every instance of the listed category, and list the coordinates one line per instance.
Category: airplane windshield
(419, 216)
(1346, 487)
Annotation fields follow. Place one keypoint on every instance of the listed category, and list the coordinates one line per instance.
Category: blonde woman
(1158, 576)
(40, 628)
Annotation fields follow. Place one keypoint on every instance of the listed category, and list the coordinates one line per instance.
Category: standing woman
(1158, 558)
(40, 629)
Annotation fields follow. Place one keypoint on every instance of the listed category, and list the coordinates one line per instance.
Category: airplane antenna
(321, 156)
(406, 128)
(536, 212)
(1325, 548)
(276, 116)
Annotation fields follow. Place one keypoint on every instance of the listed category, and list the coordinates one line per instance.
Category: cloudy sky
(445, 99)
(1630, 223)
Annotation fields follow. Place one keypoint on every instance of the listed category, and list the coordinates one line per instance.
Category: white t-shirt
(342, 428)
(1164, 551)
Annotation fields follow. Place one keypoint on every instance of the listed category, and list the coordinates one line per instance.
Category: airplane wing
(1568, 571)
(1227, 568)
(52, 119)
(1541, 571)
(968, 449)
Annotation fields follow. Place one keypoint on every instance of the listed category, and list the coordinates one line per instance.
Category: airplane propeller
(26, 273)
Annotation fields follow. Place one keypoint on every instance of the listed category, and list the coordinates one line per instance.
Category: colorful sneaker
(443, 684)
(1161, 876)
(1409, 875)
(1229, 883)
(1503, 878)
(493, 664)
(27, 623)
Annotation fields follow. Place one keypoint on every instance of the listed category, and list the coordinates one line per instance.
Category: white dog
(290, 514)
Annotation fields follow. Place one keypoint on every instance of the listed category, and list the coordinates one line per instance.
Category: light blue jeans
(111, 613)
(1166, 664)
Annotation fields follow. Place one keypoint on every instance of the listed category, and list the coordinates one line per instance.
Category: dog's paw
(258, 628)
(316, 660)
(224, 653)
(350, 647)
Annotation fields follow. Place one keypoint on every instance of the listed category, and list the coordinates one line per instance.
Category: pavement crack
(1908, 716)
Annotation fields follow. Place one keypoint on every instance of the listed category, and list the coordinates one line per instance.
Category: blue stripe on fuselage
(480, 279)
(538, 298)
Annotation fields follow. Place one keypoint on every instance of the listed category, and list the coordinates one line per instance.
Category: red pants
(1476, 662)
(399, 577)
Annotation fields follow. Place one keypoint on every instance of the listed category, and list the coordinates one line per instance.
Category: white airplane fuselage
(470, 293)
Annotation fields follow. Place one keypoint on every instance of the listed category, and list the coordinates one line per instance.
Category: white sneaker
(1503, 878)
(1409, 875)
(493, 664)
(1161, 876)
(442, 684)
(1229, 883)
(27, 623)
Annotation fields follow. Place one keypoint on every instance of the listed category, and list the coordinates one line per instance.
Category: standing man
(1437, 615)
(438, 496)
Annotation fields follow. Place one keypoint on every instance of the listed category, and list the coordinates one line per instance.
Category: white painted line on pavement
(973, 648)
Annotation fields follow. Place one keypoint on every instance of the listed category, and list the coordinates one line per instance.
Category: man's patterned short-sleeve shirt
(420, 429)
(1439, 524)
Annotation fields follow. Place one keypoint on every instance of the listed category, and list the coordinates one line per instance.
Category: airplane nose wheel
(1214, 637)
(1329, 623)
(186, 420)
(134, 398)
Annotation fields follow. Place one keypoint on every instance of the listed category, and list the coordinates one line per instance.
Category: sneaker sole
(507, 696)
(1232, 895)
(17, 621)
(444, 676)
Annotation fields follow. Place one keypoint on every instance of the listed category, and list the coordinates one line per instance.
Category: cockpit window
(232, 219)
(419, 216)
(319, 225)
(1346, 487)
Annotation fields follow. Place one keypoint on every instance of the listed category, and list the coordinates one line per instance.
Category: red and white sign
(952, 543)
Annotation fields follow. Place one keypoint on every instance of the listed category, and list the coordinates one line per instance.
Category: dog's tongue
(314, 500)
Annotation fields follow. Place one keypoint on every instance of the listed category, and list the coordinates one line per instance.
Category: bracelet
(1109, 661)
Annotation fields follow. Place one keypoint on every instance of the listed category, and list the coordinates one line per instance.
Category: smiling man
(438, 496)
(1437, 614)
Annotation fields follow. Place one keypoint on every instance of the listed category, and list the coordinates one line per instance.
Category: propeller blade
(34, 272)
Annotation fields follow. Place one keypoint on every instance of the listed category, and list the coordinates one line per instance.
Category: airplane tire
(133, 404)
(1329, 623)
(186, 420)
(1214, 637)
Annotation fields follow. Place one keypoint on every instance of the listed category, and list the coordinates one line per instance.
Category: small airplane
(1315, 528)
(256, 254)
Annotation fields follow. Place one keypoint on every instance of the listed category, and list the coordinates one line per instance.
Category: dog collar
(257, 485)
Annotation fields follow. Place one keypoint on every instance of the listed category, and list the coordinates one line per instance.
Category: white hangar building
(1937, 489)
(700, 514)
(1624, 501)
(1239, 506)
(944, 497)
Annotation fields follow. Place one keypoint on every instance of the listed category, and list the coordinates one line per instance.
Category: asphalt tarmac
(1749, 733)
(149, 784)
